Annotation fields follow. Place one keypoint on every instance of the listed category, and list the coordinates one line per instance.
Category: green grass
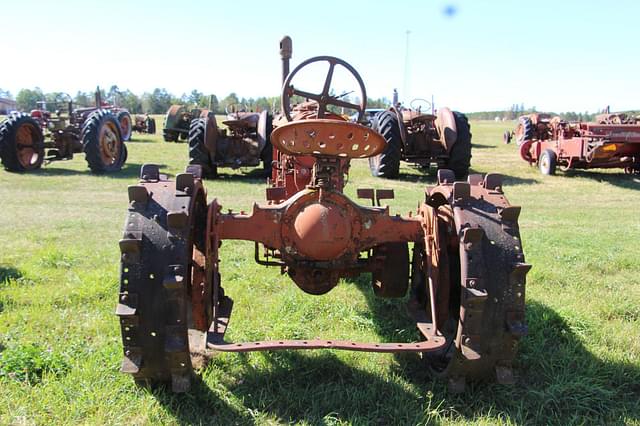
(580, 364)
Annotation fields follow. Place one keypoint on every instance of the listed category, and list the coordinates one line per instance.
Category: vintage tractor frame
(578, 145)
(442, 140)
(466, 272)
(29, 140)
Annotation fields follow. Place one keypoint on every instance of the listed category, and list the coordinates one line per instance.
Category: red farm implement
(568, 145)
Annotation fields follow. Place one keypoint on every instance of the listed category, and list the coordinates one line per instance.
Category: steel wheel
(470, 271)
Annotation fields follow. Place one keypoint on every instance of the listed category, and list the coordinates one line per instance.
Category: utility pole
(405, 88)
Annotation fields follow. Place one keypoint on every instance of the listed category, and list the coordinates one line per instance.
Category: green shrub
(30, 362)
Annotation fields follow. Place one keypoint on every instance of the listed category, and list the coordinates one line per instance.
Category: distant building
(7, 105)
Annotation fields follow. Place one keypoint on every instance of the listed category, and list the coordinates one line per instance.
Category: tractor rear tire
(159, 259)
(102, 142)
(479, 283)
(151, 126)
(460, 154)
(17, 133)
(547, 162)
(267, 152)
(524, 131)
(387, 164)
(126, 127)
(198, 152)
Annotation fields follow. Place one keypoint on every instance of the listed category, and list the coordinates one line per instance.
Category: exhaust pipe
(286, 49)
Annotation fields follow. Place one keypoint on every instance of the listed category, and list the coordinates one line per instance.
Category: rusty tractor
(608, 143)
(243, 143)
(459, 255)
(178, 120)
(143, 123)
(530, 126)
(415, 136)
(28, 140)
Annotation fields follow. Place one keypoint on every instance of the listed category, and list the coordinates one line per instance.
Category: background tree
(231, 99)
(157, 102)
(27, 98)
(130, 101)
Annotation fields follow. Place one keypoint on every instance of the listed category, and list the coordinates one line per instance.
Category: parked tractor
(143, 123)
(459, 255)
(244, 142)
(530, 126)
(28, 140)
(578, 145)
(416, 136)
(178, 120)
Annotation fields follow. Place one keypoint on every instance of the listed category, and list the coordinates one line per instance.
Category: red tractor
(459, 255)
(28, 140)
(612, 142)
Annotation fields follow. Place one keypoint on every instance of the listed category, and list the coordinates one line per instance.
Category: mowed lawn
(59, 263)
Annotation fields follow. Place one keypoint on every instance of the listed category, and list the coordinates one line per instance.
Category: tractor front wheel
(21, 143)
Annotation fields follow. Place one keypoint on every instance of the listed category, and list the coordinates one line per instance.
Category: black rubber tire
(506, 137)
(198, 152)
(387, 164)
(151, 126)
(460, 156)
(267, 152)
(91, 143)
(125, 133)
(527, 132)
(547, 162)
(169, 136)
(8, 143)
(125, 153)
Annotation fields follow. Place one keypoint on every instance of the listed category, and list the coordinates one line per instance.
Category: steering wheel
(234, 108)
(417, 104)
(323, 99)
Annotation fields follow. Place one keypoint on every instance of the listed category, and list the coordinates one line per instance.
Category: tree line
(156, 102)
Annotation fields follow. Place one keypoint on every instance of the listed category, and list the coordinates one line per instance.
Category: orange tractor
(459, 255)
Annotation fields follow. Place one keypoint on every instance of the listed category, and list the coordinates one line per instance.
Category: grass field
(60, 340)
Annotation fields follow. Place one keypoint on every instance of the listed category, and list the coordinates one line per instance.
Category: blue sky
(470, 55)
